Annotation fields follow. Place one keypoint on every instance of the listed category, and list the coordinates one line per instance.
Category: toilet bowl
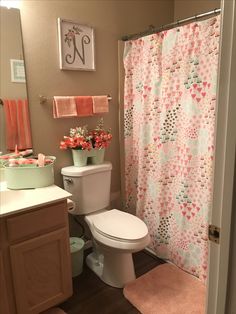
(115, 233)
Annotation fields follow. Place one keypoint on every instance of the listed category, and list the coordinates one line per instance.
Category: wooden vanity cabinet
(36, 256)
(4, 305)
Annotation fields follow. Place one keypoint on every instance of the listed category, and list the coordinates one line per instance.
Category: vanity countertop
(12, 201)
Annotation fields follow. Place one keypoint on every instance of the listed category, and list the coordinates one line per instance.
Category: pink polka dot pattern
(169, 114)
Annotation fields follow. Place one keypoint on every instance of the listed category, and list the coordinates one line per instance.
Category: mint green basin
(18, 178)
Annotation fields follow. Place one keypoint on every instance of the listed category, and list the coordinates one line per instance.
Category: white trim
(121, 78)
(224, 162)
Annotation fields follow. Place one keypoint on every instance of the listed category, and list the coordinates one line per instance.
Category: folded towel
(100, 104)
(84, 105)
(64, 106)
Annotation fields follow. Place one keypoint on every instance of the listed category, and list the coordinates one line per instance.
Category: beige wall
(187, 8)
(111, 19)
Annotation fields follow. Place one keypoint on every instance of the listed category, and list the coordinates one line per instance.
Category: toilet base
(114, 268)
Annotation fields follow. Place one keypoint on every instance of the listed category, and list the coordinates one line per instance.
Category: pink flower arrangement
(82, 139)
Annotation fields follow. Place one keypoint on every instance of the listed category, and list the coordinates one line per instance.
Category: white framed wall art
(76, 46)
(17, 71)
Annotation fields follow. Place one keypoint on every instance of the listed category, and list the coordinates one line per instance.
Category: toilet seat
(119, 225)
(119, 230)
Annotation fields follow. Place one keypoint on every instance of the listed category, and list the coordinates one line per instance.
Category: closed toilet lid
(120, 225)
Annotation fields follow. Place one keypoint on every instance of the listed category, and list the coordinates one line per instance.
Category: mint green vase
(79, 157)
(98, 156)
(83, 158)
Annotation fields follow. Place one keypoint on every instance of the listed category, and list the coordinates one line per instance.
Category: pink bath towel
(100, 104)
(64, 107)
(18, 130)
(84, 106)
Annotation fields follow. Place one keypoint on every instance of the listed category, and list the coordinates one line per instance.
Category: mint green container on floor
(77, 255)
(18, 178)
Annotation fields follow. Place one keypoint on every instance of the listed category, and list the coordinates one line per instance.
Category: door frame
(224, 161)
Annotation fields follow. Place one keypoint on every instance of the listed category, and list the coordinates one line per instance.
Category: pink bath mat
(166, 289)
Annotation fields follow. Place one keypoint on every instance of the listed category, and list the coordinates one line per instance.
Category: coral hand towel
(18, 131)
(10, 109)
(84, 106)
(100, 104)
(23, 125)
(64, 107)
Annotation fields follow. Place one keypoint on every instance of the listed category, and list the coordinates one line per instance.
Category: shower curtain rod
(153, 30)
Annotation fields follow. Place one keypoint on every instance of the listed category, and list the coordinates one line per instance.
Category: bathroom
(111, 20)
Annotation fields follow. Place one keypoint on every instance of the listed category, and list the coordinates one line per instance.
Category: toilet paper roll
(72, 208)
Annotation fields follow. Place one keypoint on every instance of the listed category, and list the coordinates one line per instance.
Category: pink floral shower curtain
(169, 113)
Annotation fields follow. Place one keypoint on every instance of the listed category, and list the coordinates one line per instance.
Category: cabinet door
(41, 271)
(4, 307)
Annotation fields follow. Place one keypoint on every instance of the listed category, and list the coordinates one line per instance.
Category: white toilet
(116, 234)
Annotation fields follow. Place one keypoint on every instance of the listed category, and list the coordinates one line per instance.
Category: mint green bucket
(82, 158)
(18, 178)
(77, 255)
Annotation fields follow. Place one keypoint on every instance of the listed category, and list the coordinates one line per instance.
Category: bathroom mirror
(12, 74)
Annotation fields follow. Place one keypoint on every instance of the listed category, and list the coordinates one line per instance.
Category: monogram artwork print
(77, 46)
(70, 39)
(169, 114)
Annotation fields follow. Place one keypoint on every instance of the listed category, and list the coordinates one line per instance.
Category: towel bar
(43, 99)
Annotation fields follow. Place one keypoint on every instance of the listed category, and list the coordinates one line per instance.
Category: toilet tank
(89, 186)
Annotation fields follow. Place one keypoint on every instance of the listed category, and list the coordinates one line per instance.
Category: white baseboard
(150, 251)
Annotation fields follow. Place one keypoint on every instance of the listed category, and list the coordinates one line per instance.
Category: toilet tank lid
(74, 171)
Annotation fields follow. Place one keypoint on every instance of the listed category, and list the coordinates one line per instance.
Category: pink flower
(82, 139)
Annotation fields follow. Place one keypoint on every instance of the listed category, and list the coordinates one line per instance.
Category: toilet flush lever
(68, 181)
